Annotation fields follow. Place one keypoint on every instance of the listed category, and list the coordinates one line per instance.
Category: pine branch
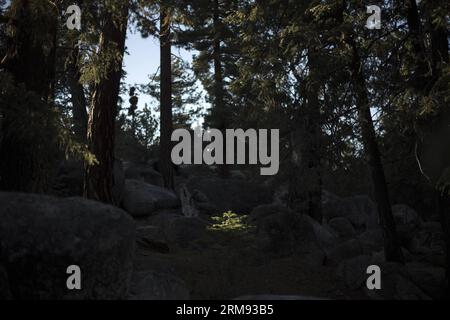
(3, 19)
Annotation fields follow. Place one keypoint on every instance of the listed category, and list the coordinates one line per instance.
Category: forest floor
(225, 264)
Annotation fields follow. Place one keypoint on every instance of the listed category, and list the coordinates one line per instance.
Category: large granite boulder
(428, 278)
(343, 227)
(142, 199)
(361, 211)
(407, 221)
(343, 251)
(283, 232)
(41, 236)
(143, 172)
(372, 240)
(396, 283)
(175, 229)
(429, 241)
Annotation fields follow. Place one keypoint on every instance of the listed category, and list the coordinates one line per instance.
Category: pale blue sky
(142, 59)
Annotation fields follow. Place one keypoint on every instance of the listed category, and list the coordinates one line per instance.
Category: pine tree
(206, 30)
(99, 178)
(166, 116)
(28, 78)
(185, 94)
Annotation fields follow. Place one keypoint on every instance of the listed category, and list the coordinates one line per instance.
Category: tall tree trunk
(99, 178)
(219, 112)
(392, 248)
(418, 44)
(305, 189)
(439, 43)
(444, 212)
(30, 61)
(166, 98)
(78, 98)
(438, 58)
(31, 47)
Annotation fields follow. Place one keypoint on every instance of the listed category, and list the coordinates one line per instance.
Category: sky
(142, 60)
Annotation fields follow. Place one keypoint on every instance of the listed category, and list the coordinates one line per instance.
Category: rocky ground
(164, 245)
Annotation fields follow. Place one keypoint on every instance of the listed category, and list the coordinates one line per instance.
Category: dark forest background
(360, 112)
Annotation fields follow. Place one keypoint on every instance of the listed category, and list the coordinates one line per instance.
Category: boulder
(142, 199)
(407, 221)
(223, 195)
(396, 285)
(173, 228)
(5, 292)
(238, 174)
(359, 210)
(342, 227)
(396, 282)
(263, 211)
(328, 197)
(324, 236)
(353, 271)
(151, 238)
(143, 172)
(428, 240)
(151, 285)
(343, 251)
(399, 288)
(371, 240)
(429, 279)
(280, 193)
(282, 232)
(41, 236)
(406, 216)
(161, 220)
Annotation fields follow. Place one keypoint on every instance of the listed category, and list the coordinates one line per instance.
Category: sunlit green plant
(230, 222)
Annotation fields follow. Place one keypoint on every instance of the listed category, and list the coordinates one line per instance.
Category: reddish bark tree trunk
(99, 178)
(166, 99)
(392, 248)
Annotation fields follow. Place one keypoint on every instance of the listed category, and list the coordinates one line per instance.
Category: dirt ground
(227, 265)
